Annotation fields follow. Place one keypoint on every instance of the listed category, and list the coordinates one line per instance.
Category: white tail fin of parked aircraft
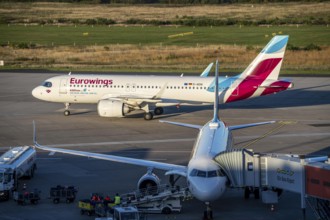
(117, 95)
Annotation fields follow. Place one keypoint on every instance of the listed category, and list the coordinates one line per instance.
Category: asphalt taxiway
(303, 128)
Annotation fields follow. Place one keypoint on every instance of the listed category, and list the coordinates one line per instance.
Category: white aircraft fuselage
(93, 88)
(204, 177)
(118, 95)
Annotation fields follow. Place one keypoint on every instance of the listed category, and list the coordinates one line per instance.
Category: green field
(67, 36)
(149, 48)
(152, 35)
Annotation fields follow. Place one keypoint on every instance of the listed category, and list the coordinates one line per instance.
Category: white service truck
(14, 164)
(123, 213)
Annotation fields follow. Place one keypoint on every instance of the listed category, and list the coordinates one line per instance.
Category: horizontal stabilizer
(236, 127)
(182, 124)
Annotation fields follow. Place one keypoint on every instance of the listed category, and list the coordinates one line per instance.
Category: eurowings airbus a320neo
(117, 95)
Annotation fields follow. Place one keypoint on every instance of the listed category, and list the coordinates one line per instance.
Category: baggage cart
(58, 193)
(87, 207)
(26, 197)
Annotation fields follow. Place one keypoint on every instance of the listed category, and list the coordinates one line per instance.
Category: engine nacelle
(112, 108)
(149, 181)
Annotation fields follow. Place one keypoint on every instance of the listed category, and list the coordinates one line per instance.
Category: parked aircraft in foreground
(117, 95)
(205, 179)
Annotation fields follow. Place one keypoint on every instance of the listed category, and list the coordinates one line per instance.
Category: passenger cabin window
(47, 84)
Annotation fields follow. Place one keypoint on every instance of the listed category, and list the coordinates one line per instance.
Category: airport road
(304, 111)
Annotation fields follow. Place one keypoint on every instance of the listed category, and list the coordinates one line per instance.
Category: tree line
(168, 2)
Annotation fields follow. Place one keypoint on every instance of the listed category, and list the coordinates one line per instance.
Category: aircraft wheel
(247, 192)
(148, 116)
(166, 211)
(5, 196)
(66, 112)
(256, 193)
(159, 111)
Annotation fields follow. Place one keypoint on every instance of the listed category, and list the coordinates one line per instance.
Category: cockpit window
(212, 173)
(206, 174)
(47, 84)
(193, 172)
(201, 173)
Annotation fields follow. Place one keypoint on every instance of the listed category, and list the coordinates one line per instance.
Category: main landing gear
(150, 115)
(248, 190)
(158, 111)
(66, 111)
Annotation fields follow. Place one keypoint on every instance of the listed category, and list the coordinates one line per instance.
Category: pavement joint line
(172, 140)
(265, 135)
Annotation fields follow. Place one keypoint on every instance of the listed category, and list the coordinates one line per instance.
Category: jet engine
(149, 181)
(112, 108)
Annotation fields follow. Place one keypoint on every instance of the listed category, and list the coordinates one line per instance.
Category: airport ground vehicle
(96, 205)
(124, 213)
(86, 207)
(162, 199)
(14, 164)
(25, 197)
(66, 193)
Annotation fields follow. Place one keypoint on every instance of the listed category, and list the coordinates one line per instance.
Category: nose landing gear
(208, 213)
(67, 112)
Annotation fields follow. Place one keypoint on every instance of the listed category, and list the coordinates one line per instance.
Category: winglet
(206, 72)
(161, 91)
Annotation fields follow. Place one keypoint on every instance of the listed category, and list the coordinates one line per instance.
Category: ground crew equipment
(162, 199)
(123, 213)
(14, 164)
(58, 193)
(26, 197)
(86, 207)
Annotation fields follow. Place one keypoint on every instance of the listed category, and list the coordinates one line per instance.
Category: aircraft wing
(236, 127)
(139, 98)
(128, 97)
(182, 124)
(171, 168)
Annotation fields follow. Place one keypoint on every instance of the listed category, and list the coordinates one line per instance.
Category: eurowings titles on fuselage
(118, 95)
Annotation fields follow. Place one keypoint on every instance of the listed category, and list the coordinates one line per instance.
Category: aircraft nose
(209, 189)
(36, 92)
